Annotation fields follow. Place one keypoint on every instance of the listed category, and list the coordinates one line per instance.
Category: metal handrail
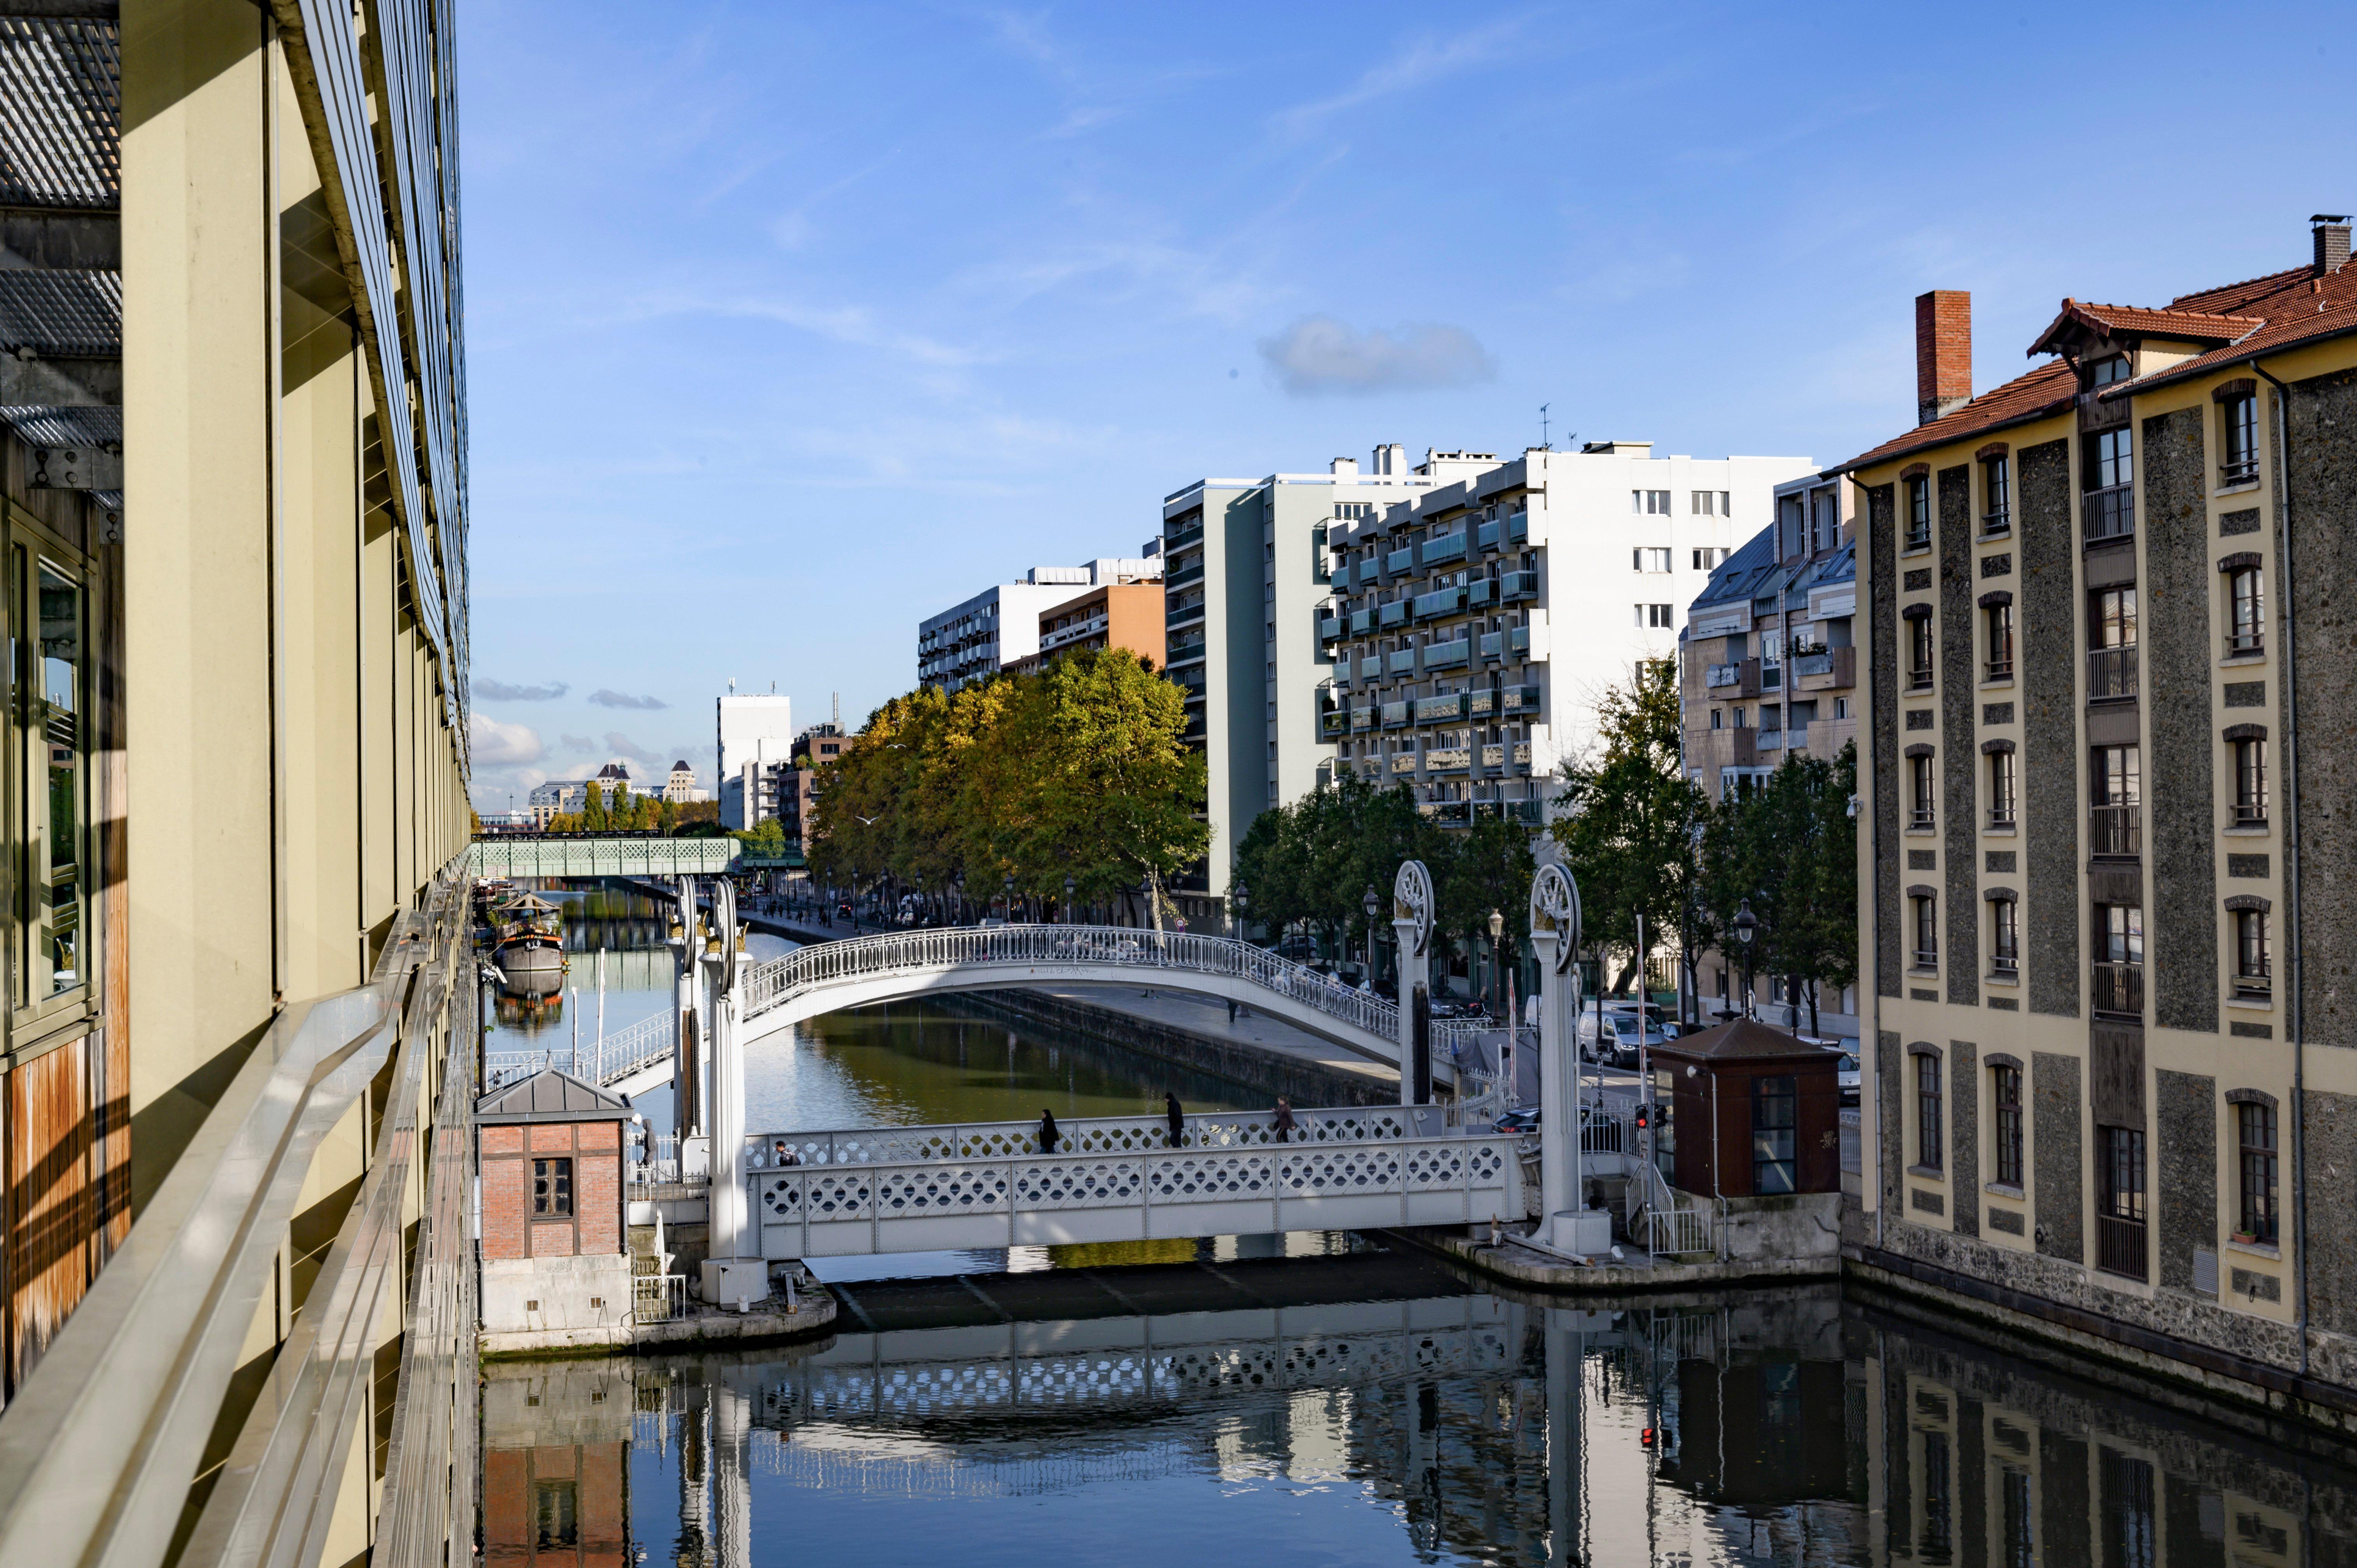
(1120, 949)
(99, 1447)
(1079, 1135)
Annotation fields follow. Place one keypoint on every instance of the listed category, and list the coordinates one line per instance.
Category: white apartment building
(750, 730)
(1247, 571)
(974, 639)
(1474, 626)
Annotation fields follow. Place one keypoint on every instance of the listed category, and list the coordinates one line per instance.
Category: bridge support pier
(731, 1277)
(1415, 1016)
(1567, 1224)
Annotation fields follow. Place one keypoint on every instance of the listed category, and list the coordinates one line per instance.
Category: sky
(789, 325)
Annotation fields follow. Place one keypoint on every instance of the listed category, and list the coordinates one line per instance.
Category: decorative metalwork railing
(601, 1062)
(1033, 1183)
(1119, 951)
(1087, 1135)
(658, 1298)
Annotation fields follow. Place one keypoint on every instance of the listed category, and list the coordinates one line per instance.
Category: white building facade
(974, 639)
(750, 730)
(1247, 570)
(1474, 628)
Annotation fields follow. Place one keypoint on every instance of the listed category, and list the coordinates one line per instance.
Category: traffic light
(1644, 1116)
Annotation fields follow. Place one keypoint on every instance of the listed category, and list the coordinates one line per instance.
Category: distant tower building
(751, 730)
(680, 789)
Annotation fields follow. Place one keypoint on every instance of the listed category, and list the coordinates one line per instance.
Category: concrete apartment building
(1113, 614)
(233, 452)
(1767, 670)
(749, 731)
(815, 748)
(1473, 626)
(1247, 571)
(2103, 853)
(999, 626)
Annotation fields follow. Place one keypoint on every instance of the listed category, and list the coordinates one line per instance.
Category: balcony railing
(2005, 966)
(1370, 668)
(1518, 640)
(1400, 560)
(1449, 759)
(2001, 815)
(1518, 528)
(1521, 757)
(1393, 613)
(1443, 655)
(1819, 663)
(2108, 513)
(1402, 662)
(1334, 722)
(1719, 675)
(1404, 762)
(1481, 591)
(1493, 757)
(1329, 629)
(1920, 679)
(1445, 601)
(2119, 989)
(1771, 739)
(2112, 673)
(1518, 699)
(2116, 830)
(1362, 718)
(2240, 644)
(2120, 1246)
(1997, 522)
(1518, 585)
(1362, 622)
(1486, 536)
(1395, 714)
(1190, 573)
(1493, 645)
(1447, 547)
(2242, 472)
(1920, 817)
(1438, 710)
(1796, 737)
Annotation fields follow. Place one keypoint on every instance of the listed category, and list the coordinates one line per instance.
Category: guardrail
(112, 1442)
(1089, 1135)
(1119, 951)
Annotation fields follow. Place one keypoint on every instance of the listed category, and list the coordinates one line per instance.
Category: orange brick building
(556, 1261)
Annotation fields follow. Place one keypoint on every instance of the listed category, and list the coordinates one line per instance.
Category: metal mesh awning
(93, 427)
(61, 113)
(63, 313)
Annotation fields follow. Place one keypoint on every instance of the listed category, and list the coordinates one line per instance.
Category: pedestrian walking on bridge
(1177, 1120)
(1047, 1134)
(1284, 1123)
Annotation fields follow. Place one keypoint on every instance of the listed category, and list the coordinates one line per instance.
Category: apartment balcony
(1180, 576)
(1518, 585)
(2112, 674)
(1447, 547)
(1178, 539)
(1401, 661)
(1447, 813)
(1518, 699)
(1370, 668)
(1455, 707)
(1363, 718)
(2119, 989)
(1493, 645)
(1487, 536)
(1742, 749)
(1363, 622)
(1395, 716)
(2108, 513)
(1393, 613)
(1331, 628)
(1771, 739)
(1447, 655)
(1434, 605)
(1522, 757)
(1402, 762)
(1720, 675)
(1064, 637)
(1494, 758)
(1814, 663)
(1796, 737)
(1479, 592)
(1518, 640)
(2120, 1246)
(1449, 759)
(1334, 722)
(1518, 528)
(2115, 831)
(1184, 654)
(1400, 562)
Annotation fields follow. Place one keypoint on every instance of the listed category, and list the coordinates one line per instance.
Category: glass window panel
(53, 729)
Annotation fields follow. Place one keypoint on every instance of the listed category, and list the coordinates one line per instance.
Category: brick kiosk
(555, 1261)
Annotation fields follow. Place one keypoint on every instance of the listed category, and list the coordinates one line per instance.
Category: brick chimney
(1944, 352)
(2332, 235)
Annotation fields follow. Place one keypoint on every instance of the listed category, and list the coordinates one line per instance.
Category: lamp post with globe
(1745, 923)
(1371, 903)
(1505, 970)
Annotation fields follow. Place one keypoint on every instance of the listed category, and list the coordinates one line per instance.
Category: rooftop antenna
(838, 710)
(732, 684)
(1545, 445)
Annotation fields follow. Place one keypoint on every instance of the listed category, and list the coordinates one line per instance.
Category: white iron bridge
(1120, 1179)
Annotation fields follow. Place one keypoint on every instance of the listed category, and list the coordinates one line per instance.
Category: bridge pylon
(1567, 1224)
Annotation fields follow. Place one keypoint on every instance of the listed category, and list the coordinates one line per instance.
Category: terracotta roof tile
(2195, 326)
(2308, 307)
(2049, 387)
(2233, 296)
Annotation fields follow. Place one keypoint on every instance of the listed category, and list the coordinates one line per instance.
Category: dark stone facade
(2244, 695)
(2317, 591)
(1892, 1130)
(2185, 1159)
(1996, 712)
(2054, 1114)
(2234, 522)
(2246, 865)
(1960, 768)
(2181, 831)
(2049, 762)
(2331, 1129)
(1999, 862)
(1882, 550)
(1996, 566)
(1964, 1134)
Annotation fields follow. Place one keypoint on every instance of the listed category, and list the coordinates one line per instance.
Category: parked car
(1847, 1073)
(1613, 1037)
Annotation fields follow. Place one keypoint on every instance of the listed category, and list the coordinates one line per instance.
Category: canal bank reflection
(1229, 1414)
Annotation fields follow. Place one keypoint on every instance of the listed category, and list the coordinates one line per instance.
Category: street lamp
(1067, 910)
(1498, 956)
(1238, 899)
(1010, 897)
(1746, 922)
(1371, 903)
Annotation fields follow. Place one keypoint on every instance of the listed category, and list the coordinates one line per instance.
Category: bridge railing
(1090, 1135)
(601, 1062)
(1119, 951)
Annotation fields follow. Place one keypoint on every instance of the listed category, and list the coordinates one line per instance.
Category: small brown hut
(1755, 1112)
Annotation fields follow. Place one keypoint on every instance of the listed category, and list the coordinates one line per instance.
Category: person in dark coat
(1177, 1120)
(1047, 1134)
(1284, 1123)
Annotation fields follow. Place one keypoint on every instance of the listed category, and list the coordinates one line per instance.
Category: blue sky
(789, 325)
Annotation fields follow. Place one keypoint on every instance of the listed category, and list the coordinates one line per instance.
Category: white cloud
(605, 699)
(486, 690)
(1321, 355)
(497, 745)
(1418, 62)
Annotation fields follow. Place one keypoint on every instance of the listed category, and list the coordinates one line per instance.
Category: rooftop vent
(2332, 235)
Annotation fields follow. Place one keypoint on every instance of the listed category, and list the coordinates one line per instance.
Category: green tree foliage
(1790, 846)
(592, 809)
(1080, 770)
(1628, 830)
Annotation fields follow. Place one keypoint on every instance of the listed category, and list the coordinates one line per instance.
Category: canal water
(1339, 1400)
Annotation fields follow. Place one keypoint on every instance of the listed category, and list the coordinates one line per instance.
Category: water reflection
(1228, 1414)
